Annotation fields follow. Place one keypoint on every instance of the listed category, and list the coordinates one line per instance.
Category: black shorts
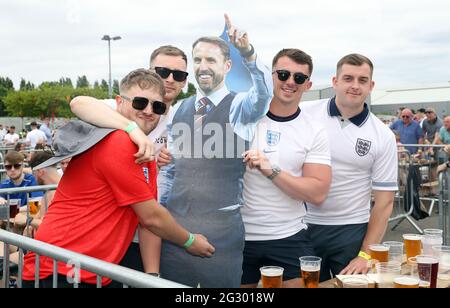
(283, 252)
(336, 245)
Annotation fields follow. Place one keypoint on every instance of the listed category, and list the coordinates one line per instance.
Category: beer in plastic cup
(413, 245)
(34, 205)
(406, 282)
(427, 267)
(310, 271)
(379, 252)
(271, 276)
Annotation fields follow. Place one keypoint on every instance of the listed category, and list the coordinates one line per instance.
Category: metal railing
(398, 212)
(29, 189)
(102, 269)
(444, 211)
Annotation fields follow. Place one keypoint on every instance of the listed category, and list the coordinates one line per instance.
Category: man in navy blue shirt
(17, 178)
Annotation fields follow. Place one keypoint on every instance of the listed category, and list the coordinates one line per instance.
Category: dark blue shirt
(28, 180)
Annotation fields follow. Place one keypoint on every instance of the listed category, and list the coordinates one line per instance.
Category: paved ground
(405, 227)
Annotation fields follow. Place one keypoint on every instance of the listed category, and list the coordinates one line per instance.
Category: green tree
(47, 100)
(116, 90)
(82, 82)
(26, 85)
(66, 82)
(6, 85)
(190, 92)
(104, 85)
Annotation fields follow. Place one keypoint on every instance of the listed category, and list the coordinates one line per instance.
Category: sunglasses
(284, 75)
(164, 73)
(406, 117)
(140, 103)
(16, 166)
(429, 112)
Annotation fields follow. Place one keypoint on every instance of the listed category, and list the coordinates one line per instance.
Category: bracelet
(131, 127)
(249, 53)
(190, 241)
(364, 255)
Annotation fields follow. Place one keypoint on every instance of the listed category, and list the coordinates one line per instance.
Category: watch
(275, 171)
(447, 164)
(249, 53)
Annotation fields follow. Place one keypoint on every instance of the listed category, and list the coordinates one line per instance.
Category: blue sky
(408, 41)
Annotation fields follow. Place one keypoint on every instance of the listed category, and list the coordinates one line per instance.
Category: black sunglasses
(140, 103)
(16, 166)
(164, 73)
(284, 75)
(405, 117)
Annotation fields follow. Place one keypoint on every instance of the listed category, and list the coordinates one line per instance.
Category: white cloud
(43, 40)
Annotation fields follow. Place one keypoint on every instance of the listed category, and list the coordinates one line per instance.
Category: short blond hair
(144, 79)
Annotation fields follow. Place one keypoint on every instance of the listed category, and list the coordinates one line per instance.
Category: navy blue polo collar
(358, 120)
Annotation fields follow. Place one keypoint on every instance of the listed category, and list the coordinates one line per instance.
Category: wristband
(189, 241)
(249, 53)
(364, 255)
(131, 127)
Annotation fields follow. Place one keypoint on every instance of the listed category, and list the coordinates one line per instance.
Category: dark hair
(355, 60)
(295, 55)
(39, 157)
(143, 78)
(168, 50)
(14, 157)
(215, 41)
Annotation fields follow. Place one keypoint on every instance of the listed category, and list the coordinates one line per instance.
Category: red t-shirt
(91, 212)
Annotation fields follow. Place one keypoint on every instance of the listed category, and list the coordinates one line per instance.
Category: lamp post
(108, 38)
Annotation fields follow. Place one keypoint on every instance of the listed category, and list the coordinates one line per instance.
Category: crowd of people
(207, 190)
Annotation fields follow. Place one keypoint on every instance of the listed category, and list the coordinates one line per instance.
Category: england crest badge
(273, 138)
(363, 147)
(146, 174)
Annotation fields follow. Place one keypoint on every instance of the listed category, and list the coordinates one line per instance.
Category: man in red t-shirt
(104, 194)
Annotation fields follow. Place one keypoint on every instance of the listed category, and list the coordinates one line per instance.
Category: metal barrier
(444, 211)
(430, 189)
(126, 276)
(398, 212)
(5, 209)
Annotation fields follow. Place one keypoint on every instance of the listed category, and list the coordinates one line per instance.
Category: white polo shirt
(268, 213)
(363, 157)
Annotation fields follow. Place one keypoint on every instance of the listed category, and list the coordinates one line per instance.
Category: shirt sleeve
(320, 150)
(130, 183)
(249, 107)
(385, 168)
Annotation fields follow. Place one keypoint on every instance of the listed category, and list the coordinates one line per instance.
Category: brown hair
(39, 157)
(168, 50)
(143, 78)
(295, 55)
(215, 41)
(355, 60)
(14, 157)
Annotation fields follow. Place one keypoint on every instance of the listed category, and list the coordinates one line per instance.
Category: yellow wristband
(364, 255)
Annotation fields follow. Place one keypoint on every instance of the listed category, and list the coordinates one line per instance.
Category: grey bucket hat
(74, 138)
